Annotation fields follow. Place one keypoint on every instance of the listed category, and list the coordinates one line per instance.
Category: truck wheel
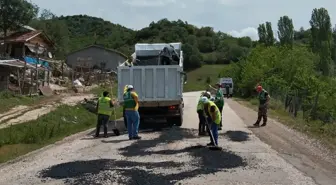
(175, 121)
(179, 122)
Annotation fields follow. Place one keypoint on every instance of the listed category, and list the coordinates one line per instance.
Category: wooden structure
(27, 51)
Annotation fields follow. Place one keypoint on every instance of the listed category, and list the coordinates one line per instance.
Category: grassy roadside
(198, 79)
(66, 120)
(326, 133)
(8, 100)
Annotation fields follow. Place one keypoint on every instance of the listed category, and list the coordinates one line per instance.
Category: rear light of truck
(172, 107)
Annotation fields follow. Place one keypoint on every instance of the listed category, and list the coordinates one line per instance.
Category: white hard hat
(130, 87)
(204, 99)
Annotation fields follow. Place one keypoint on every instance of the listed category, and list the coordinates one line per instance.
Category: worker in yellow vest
(131, 105)
(124, 115)
(214, 118)
(201, 116)
(104, 110)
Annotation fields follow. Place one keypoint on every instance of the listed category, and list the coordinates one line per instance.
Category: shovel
(215, 147)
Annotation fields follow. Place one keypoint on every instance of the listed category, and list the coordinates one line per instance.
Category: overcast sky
(237, 17)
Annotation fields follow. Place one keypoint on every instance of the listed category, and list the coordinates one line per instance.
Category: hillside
(200, 44)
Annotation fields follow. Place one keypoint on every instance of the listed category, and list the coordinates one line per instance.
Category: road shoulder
(296, 148)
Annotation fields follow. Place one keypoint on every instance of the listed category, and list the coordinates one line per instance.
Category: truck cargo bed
(155, 85)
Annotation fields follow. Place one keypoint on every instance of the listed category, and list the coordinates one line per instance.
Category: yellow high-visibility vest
(104, 106)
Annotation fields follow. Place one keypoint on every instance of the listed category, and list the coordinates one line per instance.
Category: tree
(286, 31)
(47, 15)
(265, 33)
(269, 34)
(321, 37)
(262, 33)
(15, 13)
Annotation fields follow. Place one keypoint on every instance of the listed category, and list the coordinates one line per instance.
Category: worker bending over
(219, 100)
(213, 117)
(264, 98)
(131, 105)
(104, 111)
(201, 115)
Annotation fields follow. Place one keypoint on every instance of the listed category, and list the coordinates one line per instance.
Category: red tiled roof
(22, 37)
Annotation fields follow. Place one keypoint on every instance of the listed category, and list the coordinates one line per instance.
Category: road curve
(171, 156)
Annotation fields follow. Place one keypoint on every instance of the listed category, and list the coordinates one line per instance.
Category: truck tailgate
(152, 83)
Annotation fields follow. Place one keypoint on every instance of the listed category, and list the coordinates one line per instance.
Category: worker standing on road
(227, 89)
(264, 98)
(104, 111)
(125, 120)
(213, 116)
(219, 101)
(131, 105)
(201, 115)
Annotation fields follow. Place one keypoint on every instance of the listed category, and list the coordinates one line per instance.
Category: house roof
(101, 47)
(18, 64)
(26, 36)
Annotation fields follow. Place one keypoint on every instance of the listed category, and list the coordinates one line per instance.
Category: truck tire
(175, 121)
(179, 121)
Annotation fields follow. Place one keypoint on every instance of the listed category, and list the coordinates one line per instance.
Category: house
(95, 57)
(22, 50)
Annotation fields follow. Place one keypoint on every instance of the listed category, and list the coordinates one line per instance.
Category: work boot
(256, 124)
(211, 144)
(264, 124)
(137, 137)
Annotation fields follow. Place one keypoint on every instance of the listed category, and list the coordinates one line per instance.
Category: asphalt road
(170, 156)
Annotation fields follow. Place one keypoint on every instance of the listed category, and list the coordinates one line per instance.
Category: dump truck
(156, 73)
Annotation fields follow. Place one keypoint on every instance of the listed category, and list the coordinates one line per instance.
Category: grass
(9, 100)
(199, 79)
(326, 133)
(101, 88)
(66, 120)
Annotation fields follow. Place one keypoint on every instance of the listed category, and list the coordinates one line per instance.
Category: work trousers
(214, 130)
(201, 125)
(124, 116)
(262, 113)
(221, 111)
(102, 120)
(133, 122)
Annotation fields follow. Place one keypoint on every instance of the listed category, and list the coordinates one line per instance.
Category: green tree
(286, 31)
(15, 13)
(321, 38)
(269, 34)
(262, 33)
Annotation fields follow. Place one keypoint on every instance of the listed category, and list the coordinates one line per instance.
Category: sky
(236, 17)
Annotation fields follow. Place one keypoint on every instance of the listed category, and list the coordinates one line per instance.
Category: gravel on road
(170, 156)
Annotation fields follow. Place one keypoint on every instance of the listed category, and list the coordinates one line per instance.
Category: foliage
(199, 79)
(266, 35)
(321, 39)
(15, 13)
(286, 31)
(200, 45)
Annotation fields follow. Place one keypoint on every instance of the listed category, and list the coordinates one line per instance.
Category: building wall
(94, 56)
(40, 40)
